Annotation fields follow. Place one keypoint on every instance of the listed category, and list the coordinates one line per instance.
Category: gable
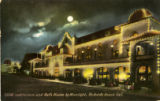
(67, 39)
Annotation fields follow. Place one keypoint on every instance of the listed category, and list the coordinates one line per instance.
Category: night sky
(29, 25)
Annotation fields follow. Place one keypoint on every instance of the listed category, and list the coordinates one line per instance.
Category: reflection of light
(38, 34)
(122, 76)
(70, 18)
(88, 73)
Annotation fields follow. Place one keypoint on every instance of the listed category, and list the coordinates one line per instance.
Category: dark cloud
(24, 20)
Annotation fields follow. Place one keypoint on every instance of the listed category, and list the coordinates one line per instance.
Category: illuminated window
(116, 76)
(144, 73)
(103, 74)
(100, 76)
(139, 50)
(115, 53)
(142, 69)
(122, 74)
(121, 69)
(105, 69)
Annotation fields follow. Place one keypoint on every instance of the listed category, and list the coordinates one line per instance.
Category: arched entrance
(143, 61)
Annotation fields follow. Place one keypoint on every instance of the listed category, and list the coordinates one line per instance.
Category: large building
(128, 53)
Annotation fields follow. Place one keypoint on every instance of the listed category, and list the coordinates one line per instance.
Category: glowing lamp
(158, 71)
(151, 43)
(82, 51)
(112, 46)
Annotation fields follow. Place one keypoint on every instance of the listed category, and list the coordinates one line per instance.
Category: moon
(70, 18)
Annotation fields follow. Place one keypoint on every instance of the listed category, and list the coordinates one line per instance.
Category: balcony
(41, 65)
(99, 61)
(144, 57)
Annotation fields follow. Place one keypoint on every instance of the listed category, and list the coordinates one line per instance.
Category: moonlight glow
(38, 34)
(70, 18)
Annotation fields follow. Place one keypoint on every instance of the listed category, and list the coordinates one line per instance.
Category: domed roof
(139, 14)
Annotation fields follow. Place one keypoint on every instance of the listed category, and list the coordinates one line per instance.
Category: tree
(7, 61)
(25, 62)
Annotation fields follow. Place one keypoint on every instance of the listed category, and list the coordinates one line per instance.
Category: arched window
(139, 50)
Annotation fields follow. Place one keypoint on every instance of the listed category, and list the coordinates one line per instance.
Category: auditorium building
(128, 53)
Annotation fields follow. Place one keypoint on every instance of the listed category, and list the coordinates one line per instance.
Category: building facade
(128, 53)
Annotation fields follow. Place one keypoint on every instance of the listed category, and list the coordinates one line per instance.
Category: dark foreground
(22, 88)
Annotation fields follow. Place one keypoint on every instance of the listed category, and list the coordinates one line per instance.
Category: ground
(25, 88)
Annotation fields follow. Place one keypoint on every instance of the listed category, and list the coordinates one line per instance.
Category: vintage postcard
(94, 50)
